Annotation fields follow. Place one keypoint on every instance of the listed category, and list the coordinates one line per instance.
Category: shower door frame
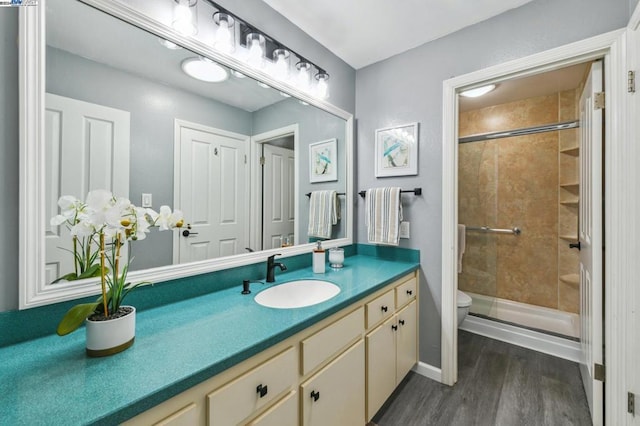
(611, 47)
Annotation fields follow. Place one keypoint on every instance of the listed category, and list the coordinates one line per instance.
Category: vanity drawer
(380, 308)
(406, 292)
(253, 390)
(328, 341)
(186, 416)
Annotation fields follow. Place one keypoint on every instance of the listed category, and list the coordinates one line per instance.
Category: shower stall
(517, 198)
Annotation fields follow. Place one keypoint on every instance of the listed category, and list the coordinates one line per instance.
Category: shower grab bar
(515, 230)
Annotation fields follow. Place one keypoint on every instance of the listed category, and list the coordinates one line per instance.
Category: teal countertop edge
(49, 380)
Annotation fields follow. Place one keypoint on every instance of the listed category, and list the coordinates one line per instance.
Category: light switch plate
(404, 230)
(147, 200)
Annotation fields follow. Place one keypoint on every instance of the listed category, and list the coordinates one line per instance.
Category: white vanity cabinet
(392, 348)
(336, 372)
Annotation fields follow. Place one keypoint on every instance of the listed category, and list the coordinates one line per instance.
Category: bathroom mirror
(105, 68)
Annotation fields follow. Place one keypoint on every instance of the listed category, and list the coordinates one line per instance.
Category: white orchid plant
(99, 227)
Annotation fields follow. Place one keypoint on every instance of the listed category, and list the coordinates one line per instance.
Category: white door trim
(255, 232)
(611, 46)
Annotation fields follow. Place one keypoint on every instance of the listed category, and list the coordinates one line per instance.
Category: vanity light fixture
(239, 39)
(204, 69)
(185, 17)
(225, 40)
(478, 91)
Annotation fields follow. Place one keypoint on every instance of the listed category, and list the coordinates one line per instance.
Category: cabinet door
(335, 395)
(381, 365)
(186, 416)
(406, 341)
(283, 413)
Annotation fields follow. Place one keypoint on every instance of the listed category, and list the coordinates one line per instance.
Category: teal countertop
(50, 380)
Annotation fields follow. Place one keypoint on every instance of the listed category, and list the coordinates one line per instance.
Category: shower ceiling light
(478, 91)
(204, 70)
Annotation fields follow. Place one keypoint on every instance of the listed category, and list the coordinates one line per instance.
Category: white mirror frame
(33, 290)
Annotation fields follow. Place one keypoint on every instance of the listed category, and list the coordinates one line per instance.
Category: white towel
(324, 212)
(383, 215)
(462, 241)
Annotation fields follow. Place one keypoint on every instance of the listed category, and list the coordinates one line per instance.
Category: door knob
(575, 245)
(187, 233)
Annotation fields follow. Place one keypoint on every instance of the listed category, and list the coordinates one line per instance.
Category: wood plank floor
(498, 384)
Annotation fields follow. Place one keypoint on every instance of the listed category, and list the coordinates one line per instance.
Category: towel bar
(416, 191)
(308, 194)
(515, 230)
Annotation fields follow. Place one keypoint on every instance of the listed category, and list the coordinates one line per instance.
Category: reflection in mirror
(122, 114)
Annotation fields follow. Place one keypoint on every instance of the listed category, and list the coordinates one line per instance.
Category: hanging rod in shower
(519, 132)
(515, 230)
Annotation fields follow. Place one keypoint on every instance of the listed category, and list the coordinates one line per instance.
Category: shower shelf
(571, 151)
(570, 279)
(571, 187)
(568, 237)
(570, 203)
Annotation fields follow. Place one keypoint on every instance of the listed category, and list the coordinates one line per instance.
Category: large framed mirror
(106, 104)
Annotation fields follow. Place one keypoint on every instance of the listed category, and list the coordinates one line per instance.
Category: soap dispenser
(318, 259)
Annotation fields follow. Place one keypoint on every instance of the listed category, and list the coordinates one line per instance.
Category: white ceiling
(363, 32)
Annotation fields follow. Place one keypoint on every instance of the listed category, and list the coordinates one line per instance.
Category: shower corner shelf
(568, 237)
(573, 279)
(571, 187)
(571, 151)
(570, 203)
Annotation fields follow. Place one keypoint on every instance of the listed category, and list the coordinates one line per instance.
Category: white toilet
(464, 302)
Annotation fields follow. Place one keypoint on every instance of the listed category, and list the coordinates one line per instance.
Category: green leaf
(75, 317)
(71, 276)
(90, 272)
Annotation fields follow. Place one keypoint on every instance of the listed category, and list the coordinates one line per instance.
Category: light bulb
(184, 17)
(255, 56)
(304, 74)
(322, 88)
(281, 66)
(224, 39)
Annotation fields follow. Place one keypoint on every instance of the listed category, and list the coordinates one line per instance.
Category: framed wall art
(322, 161)
(396, 152)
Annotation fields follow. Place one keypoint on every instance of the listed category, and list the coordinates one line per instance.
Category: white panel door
(278, 210)
(591, 241)
(211, 191)
(87, 147)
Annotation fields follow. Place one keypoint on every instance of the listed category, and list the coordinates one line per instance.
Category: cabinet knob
(262, 390)
(409, 292)
(394, 327)
(384, 308)
(315, 395)
(401, 322)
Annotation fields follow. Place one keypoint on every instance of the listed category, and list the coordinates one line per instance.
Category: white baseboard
(428, 371)
(541, 342)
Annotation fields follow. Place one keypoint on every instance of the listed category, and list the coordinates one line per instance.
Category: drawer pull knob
(409, 292)
(262, 390)
(384, 308)
(394, 327)
(315, 395)
(401, 322)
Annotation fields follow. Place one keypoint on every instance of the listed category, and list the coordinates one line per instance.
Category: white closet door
(87, 147)
(591, 242)
(211, 190)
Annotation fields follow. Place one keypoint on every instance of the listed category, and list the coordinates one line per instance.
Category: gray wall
(152, 130)
(408, 88)
(255, 11)
(315, 125)
(9, 157)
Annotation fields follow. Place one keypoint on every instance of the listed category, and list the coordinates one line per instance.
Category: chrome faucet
(271, 265)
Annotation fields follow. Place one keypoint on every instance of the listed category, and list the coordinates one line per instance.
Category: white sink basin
(297, 294)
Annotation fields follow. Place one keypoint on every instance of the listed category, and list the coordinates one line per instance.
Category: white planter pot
(109, 337)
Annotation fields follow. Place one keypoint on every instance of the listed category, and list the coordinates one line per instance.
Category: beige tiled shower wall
(515, 182)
